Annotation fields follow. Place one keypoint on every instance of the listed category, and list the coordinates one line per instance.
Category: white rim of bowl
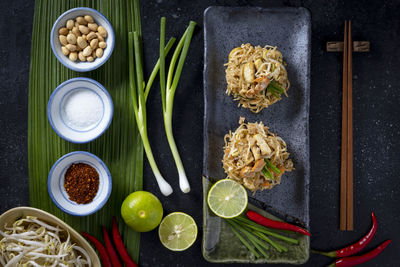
(51, 101)
(95, 66)
(51, 174)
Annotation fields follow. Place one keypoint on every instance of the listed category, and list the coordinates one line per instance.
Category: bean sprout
(32, 242)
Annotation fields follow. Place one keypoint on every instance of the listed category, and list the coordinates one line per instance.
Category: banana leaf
(120, 147)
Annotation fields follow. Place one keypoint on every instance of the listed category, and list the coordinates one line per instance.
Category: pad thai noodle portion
(256, 76)
(30, 241)
(255, 157)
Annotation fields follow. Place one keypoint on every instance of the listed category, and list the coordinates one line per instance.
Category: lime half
(177, 231)
(227, 198)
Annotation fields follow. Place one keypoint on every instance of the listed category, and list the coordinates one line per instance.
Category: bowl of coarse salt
(80, 110)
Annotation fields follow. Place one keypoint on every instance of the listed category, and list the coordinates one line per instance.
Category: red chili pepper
(258, 218)
(356, 247)
(119, 244)
(110, 249)
(105, 259)
(356, 260)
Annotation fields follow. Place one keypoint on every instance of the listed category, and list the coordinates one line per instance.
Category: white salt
(82, 109)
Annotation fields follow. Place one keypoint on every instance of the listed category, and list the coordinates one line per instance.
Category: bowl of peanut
(82, 39)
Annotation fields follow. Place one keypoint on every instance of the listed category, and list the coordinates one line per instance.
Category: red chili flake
(81, 183)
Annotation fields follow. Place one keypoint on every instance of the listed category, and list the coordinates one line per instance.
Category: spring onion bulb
(140, 92)
(168, 89)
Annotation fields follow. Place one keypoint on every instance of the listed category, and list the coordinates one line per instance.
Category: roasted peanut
(94, 54)
(99, 52)
(71, 47)
(71, 38)
(87, 51)
(73, 56)
(90, 59)
(102, 31)
(93, 26)
(101, 39)
(102, 45)
(81, 21)
(76, 31)
(65, 51)
(91, 36)
(81, 56)
(70, 24)
(63, 39)
(81, 42)
(89, 18)
(63, 31)
(94, 43)
(83, 29)
(76, 24)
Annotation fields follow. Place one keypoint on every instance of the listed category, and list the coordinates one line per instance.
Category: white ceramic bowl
(57, 118)
(58, 194)
(100, 20)
(10, 216)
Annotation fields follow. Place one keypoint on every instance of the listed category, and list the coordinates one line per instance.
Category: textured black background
(376, 119)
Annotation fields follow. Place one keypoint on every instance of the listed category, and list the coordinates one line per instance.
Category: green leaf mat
(120, 147)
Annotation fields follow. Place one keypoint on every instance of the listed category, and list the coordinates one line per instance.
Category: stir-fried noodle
(255, 157)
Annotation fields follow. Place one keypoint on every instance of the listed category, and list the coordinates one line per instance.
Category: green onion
(254, 240)
(244, 241)
(168, 89)
(273, 91)
(264, 237)
(162, 61)
(276, 245)
(277, 95)
(272, 166)
(276, 87)
(265, 230)
(267, 173)
(156, 68)
(139, 106)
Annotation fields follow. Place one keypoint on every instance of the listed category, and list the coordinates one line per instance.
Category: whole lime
(142, 211)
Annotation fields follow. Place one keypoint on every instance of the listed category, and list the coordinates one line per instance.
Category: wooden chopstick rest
(358, 46)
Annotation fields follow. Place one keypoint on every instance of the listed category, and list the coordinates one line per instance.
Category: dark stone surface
(376, 119)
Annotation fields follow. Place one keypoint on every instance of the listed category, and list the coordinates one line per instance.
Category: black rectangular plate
(290, 30)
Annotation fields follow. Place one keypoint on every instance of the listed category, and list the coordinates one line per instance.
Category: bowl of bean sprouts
(33, 237)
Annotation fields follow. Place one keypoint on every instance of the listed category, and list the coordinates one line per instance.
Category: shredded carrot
(262, 79)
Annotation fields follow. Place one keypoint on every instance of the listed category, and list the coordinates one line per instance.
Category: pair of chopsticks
(346, 179)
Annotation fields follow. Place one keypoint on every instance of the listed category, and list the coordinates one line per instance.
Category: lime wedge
(177, 231)
(227, 198)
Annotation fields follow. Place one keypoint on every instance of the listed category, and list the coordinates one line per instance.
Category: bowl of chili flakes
(79, 183)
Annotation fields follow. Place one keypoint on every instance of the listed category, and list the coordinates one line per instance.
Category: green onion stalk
(139, 92)
(168, 89)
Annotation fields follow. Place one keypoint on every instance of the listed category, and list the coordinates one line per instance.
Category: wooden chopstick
(343, 172)
(346, 173)
(349, 200)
